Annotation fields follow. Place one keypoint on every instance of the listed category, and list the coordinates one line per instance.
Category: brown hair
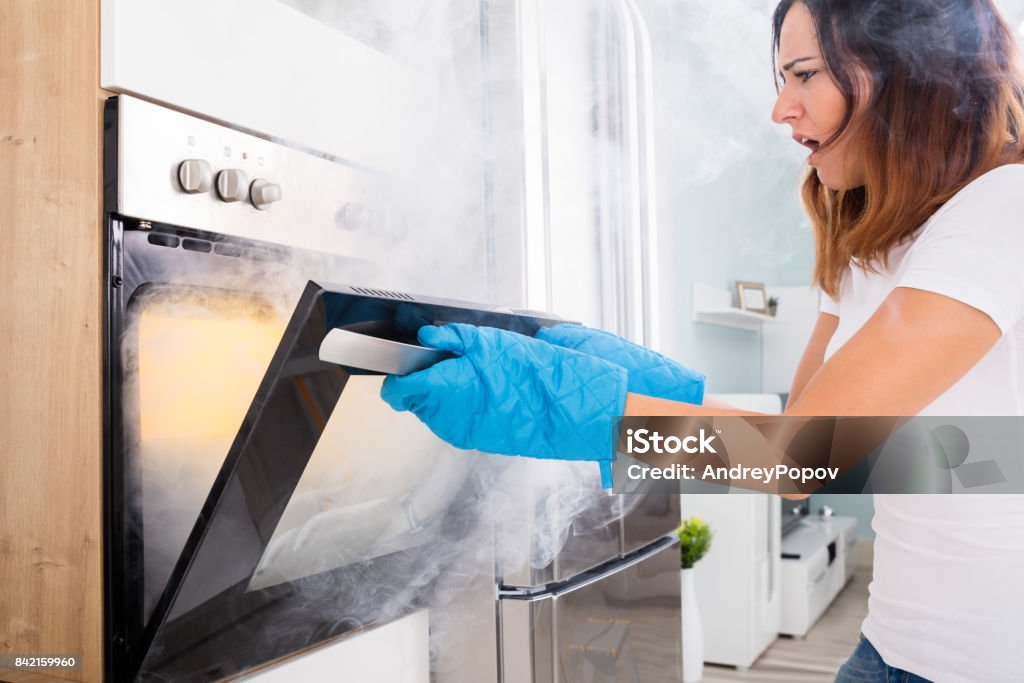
(945, 104)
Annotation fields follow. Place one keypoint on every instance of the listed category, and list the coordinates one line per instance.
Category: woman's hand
(510, 394)
(650, 373)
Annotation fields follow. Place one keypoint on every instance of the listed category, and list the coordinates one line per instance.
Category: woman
(913, 111)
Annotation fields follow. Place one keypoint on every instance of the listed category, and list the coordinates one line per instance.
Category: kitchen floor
(826, 646)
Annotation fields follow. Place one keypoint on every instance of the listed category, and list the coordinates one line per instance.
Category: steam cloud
(366, 493)
(379, 482)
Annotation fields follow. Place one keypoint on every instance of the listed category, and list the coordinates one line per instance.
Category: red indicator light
(245, 155)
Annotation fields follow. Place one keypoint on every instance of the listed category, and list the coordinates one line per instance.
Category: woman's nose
(787, 108)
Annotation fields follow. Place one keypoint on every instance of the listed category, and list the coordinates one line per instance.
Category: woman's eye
(805, 76)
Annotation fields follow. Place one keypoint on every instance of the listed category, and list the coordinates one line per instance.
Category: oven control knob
(264, 193)
(232, 185)
(195, 176)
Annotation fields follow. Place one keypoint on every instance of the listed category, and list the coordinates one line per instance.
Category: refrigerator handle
(639, 252)
(537, 256)
(646, 177)
(625, 242)
(587, 578)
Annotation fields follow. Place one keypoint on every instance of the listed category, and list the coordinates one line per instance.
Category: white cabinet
(816, 564)
(737, 582)
(268, 68)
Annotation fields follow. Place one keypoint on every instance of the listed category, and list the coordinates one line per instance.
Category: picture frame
(752, 297)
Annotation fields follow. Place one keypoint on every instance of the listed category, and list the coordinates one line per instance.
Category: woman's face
(811, 102)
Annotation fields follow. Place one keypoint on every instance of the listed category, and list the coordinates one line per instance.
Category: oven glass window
(193, 363)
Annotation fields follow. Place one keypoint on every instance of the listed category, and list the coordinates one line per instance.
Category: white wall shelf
(713, 306)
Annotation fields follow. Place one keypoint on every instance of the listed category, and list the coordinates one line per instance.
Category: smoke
(380, 485)
(731, 175)
(723, 90)
(432, 217)
(380, 493)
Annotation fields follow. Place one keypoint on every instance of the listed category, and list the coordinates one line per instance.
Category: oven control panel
(178, 169)
(196, 176)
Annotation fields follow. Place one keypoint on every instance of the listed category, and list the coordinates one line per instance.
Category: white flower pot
(693, 631)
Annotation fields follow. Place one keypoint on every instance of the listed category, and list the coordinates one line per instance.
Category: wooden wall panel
(50, 408)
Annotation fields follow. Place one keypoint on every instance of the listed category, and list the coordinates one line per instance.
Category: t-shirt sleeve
(828, 305)
(973, 249)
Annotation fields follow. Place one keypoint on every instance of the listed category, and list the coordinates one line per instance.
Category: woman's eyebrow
(789, 65)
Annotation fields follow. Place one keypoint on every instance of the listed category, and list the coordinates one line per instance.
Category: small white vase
(693, 631)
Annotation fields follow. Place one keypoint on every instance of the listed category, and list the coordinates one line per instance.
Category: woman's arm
(916, 346)
(814, 354)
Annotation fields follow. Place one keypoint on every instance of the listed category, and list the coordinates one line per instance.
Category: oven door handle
(373, 355)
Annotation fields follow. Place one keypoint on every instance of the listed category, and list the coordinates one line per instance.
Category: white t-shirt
(947, 598)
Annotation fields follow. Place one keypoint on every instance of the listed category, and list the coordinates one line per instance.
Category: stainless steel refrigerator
(607, 608)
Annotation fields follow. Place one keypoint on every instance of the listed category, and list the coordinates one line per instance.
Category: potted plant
(773, 305)
(694, 542)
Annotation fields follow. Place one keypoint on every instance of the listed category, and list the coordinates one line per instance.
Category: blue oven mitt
(650, 373)
(514, 395)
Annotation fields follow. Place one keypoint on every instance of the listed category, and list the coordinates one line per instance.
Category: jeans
(865, 665)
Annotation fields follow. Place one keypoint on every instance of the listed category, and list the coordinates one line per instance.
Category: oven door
(232, 546)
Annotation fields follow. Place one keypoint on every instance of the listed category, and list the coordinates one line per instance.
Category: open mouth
(810, 143)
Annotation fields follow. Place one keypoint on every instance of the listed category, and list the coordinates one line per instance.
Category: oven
(258, 500)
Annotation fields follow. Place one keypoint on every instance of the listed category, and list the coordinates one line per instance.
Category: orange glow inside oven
(201, 359)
